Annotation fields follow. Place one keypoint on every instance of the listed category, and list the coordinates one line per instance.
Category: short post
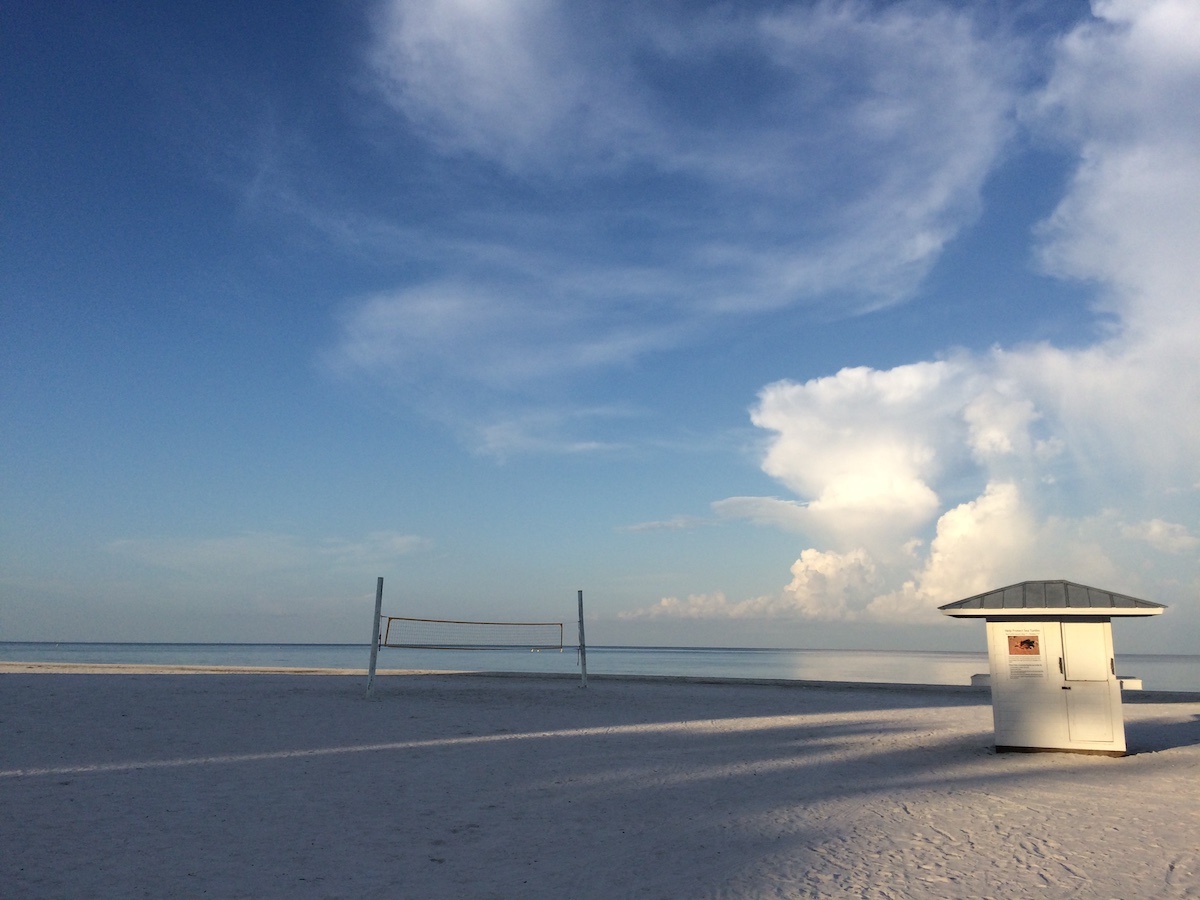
(375, 635)
(582, 646)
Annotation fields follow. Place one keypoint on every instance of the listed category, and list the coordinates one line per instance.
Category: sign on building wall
(1025, 659)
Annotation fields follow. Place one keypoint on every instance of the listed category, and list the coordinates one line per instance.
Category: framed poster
(1025, 658)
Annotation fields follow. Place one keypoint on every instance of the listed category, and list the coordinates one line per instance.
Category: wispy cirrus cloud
(847, 147)
(257, 553)
(675, 523)
(1168, 537)
(507, 339)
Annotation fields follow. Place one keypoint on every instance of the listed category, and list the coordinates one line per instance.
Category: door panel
(1086, 669)
(1085, 651)
(1089, 712)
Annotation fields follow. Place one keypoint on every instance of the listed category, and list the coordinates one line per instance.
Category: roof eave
(1061, 612)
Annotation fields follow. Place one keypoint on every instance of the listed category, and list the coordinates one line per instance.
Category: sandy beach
(270, 785)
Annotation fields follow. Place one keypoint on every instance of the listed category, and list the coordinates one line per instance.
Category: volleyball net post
(582, 647)
(451, 634)
(376, 635)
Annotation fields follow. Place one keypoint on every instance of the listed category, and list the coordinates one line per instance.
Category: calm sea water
(1164, 673)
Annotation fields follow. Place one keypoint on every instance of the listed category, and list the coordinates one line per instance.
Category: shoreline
(59, 668)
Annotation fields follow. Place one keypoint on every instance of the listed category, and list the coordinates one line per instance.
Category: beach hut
(1053, 674)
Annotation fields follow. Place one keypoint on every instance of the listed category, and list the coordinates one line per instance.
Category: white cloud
(1168, 537)
(930, 115)
(824, 586)
(1131, 222)
(786, 514)
(549, 430)
(981, 544)
(378, 547)
(541, 432)
(257, 554)
(784, 185)
(999, 425)
(861, 448)
(1065, 444)
(696, 606)
(506, 80)
(530, 84)
(460, 331)
(831, 585)
(675, 523)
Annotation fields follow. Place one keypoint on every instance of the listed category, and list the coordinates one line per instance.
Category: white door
(1087, 671)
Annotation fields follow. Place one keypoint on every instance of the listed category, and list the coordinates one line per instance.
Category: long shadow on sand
(1152, 736)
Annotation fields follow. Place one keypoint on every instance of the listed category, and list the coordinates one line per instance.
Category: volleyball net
(450, 634)
(404, 632)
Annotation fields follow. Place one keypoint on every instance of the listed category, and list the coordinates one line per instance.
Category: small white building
(1053, 673)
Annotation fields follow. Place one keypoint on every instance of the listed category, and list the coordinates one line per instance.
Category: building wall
(1053, 685)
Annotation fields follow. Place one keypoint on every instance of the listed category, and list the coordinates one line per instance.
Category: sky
(763, 324)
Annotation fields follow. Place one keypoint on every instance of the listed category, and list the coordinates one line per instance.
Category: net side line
(465, 621)
(474, 646)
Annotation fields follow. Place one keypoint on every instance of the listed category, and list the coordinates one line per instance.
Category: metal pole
(375, 635)
(582, 646)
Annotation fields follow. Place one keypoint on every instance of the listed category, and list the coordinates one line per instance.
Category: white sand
(464, 786)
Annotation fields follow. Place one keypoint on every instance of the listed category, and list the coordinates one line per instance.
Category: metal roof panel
(1042, 599)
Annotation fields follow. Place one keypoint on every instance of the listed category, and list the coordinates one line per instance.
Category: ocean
(1158, 672)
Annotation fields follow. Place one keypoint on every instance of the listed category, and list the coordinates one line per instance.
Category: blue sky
(764, 324)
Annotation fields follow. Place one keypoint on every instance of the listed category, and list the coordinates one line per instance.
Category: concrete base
(1128, 682)
(1118, 753)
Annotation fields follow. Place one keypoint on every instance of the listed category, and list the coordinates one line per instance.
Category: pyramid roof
(1050, 600)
